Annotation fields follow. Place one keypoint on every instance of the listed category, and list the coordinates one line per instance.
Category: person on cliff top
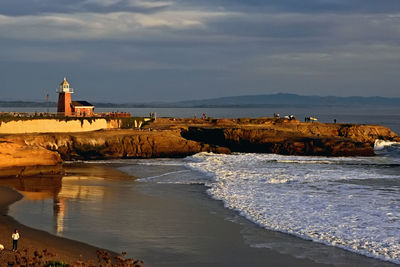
(15, 237)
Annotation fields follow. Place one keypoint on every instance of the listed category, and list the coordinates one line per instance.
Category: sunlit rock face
(118, 144)
(184, 137)
(292, 137)
(18, 159)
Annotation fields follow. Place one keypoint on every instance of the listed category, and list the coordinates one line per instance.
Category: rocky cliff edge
(31, 153)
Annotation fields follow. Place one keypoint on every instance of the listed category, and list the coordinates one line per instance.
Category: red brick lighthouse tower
(64, 99)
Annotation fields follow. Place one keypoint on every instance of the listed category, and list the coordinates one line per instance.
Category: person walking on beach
(15, 237)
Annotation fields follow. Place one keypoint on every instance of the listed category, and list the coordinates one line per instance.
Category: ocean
(387, 116)
(176, 212)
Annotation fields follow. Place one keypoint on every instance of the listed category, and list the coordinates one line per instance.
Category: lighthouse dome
(64, 82)
(64, 87)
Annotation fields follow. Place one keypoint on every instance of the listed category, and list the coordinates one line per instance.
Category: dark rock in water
(270, 141)
(293, 137)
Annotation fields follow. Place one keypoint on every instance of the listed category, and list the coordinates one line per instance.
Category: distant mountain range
(241, 101)
(290, 99)
(13, 103)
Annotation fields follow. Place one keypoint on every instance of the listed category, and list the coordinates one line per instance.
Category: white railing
(62, 90)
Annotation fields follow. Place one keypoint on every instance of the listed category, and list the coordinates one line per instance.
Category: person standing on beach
(15, 237)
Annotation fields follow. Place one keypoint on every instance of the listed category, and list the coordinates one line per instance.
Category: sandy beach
(170, 207)
(166, 224)
(66, 250)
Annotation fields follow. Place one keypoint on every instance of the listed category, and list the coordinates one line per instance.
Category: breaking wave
(351, 203)
(382, 144)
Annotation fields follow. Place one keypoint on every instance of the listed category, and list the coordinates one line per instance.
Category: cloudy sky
(166, 50)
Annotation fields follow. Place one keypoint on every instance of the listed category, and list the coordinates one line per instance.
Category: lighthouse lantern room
(64, 98)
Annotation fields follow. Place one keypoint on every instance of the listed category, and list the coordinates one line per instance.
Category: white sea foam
(381, 144)
(149, 162)
(328, 200)
(164, 177)
(341, 201)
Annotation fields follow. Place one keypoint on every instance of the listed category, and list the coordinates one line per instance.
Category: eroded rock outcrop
(111, 144)
(183, 137)
(269, 141)
(294, 138)
(19, 159)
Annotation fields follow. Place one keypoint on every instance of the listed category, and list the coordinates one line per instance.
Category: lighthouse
(64, 98)
(67, 107)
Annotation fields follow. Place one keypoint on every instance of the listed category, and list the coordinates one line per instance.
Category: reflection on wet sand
(59, 207)
(39, 189)
(35, 188)
(60, 189)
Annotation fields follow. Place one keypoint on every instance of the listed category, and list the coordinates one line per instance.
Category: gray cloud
(174, 50)
(30, 7)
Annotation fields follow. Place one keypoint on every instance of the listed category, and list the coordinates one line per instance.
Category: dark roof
(81, 104)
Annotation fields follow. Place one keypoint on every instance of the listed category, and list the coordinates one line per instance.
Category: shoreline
(215, 213)
(65, 250)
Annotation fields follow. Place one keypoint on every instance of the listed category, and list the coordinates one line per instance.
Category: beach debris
(23, 258)
(79, 263)
(104, 256)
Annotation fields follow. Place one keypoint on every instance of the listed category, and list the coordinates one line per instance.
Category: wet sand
(171, 229)
(66, 250)
(177, 225)
(188, 228)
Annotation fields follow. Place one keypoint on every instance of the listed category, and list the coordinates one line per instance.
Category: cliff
(18, 159)
(292, 137)
(112, 144)
(16, 125)
(183, 137)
